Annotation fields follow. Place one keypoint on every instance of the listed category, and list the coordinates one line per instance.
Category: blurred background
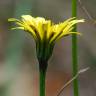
(19, 73)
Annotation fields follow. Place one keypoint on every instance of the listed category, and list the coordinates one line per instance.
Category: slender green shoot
(42, 83)
(74, 50)
(42, 76)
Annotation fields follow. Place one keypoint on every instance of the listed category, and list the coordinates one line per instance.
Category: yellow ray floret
(42, 29)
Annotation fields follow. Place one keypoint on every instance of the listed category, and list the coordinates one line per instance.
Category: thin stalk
(42, 76)
(71, 80)
(42, 83)
(74, 51)
(83, 7)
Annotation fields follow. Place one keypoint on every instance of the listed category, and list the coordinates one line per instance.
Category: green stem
(74, 50)
(42, 83)
(42, 70)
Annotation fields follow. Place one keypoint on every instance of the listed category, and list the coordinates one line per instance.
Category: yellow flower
(45, 32)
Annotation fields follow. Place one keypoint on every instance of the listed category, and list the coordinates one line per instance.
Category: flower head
(45, 32)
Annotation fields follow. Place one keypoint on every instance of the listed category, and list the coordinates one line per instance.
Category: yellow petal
(58, 28)
(64, 28)
(28, 19)
(22, 28)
